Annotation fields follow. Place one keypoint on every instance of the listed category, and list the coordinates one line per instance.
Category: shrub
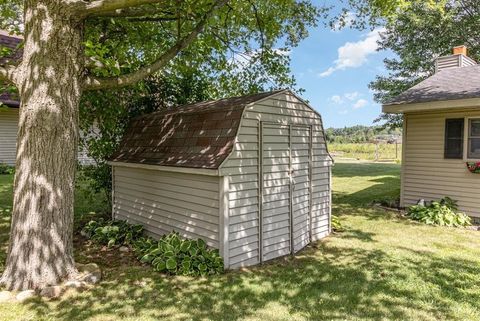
(171, 254)
(443, 212)
(112, 233)
(336, 224)
(174, 255)
(6, 169)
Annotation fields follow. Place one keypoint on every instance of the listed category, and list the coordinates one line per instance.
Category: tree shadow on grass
(322, 282)
(385, 187)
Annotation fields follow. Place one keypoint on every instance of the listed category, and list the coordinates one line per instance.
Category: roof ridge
(179, 108)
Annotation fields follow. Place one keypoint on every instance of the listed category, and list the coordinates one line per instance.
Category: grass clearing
(382, 267)
(366, 151)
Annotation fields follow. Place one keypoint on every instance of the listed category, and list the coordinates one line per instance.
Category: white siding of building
(243, 170)
(8, 138)
(8, 135)
(453, 61)
(426, 174)
(166, 201)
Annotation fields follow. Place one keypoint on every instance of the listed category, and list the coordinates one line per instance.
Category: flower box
(474, 167)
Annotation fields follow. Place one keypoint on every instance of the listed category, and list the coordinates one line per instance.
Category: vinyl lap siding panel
(163, 202)
(8, 135)
(426, 173)
(9, 118)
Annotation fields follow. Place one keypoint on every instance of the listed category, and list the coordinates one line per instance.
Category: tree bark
(40, 250)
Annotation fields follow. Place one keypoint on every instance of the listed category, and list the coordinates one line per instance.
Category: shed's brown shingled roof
(10, 42)
(199, 135)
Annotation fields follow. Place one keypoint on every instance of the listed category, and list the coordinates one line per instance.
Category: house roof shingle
(448, 84)
(12, 43)
(199, 135)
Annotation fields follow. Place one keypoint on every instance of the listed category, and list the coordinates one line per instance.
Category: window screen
(474, 138)
(454, 138)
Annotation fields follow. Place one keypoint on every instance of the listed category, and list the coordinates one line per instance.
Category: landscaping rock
(52, 292)
(24, 295)
(91, 273)
(6, 296)
(124, 249)
(75, 284)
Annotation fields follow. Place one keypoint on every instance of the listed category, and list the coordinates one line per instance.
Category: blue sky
(335, 68)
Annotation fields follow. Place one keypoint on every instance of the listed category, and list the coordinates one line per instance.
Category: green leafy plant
(113, 233)
(174, 255)
(443, 212)
(6, 169)
(337, 224)
(171, 254)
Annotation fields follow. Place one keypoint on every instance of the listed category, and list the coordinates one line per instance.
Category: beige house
(441, 133)
(250, 175)
(10, 108)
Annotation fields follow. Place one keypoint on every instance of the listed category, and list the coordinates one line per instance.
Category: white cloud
(343, 112)
(352, 96)
(340, 99)
(360, 103)
(355, 54)
(336, 99)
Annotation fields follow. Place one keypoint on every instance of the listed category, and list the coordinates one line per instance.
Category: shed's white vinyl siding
(8, 135)
(164, 201)
(426, 173)
(242, 167)
(8, 138)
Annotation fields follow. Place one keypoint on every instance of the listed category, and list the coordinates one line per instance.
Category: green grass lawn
(381, 268)
(366, 151)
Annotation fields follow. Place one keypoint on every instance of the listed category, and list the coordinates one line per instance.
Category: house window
(454, 138)
(474, 138)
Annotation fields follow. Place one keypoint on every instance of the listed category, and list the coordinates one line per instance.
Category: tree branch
(117, 8)
(141, 11)
(8, 73)
(95, 83)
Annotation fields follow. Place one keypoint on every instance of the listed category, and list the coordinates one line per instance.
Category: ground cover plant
(171, 254)
(112, 233)
(382, 267)
(443, 212)
(174, 255)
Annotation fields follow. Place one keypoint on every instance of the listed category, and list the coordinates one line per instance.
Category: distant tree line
(361, 134)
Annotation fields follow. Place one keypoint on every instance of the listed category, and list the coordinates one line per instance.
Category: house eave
(174, 169)
(10, 103)
(431, 106)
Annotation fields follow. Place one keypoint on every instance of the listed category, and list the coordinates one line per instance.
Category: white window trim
(466, 132)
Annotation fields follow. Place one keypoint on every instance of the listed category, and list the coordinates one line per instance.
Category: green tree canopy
(418, 35)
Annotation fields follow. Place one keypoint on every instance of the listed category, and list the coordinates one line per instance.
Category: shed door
(285, 175)
(301, 187)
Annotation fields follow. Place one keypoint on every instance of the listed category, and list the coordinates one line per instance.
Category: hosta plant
(337, 224)
(443, 212)
(113, 233)
(174, 255)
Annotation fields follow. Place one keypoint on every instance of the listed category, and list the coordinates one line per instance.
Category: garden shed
(249, 175)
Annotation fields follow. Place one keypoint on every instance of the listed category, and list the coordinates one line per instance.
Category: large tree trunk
(40, 251)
